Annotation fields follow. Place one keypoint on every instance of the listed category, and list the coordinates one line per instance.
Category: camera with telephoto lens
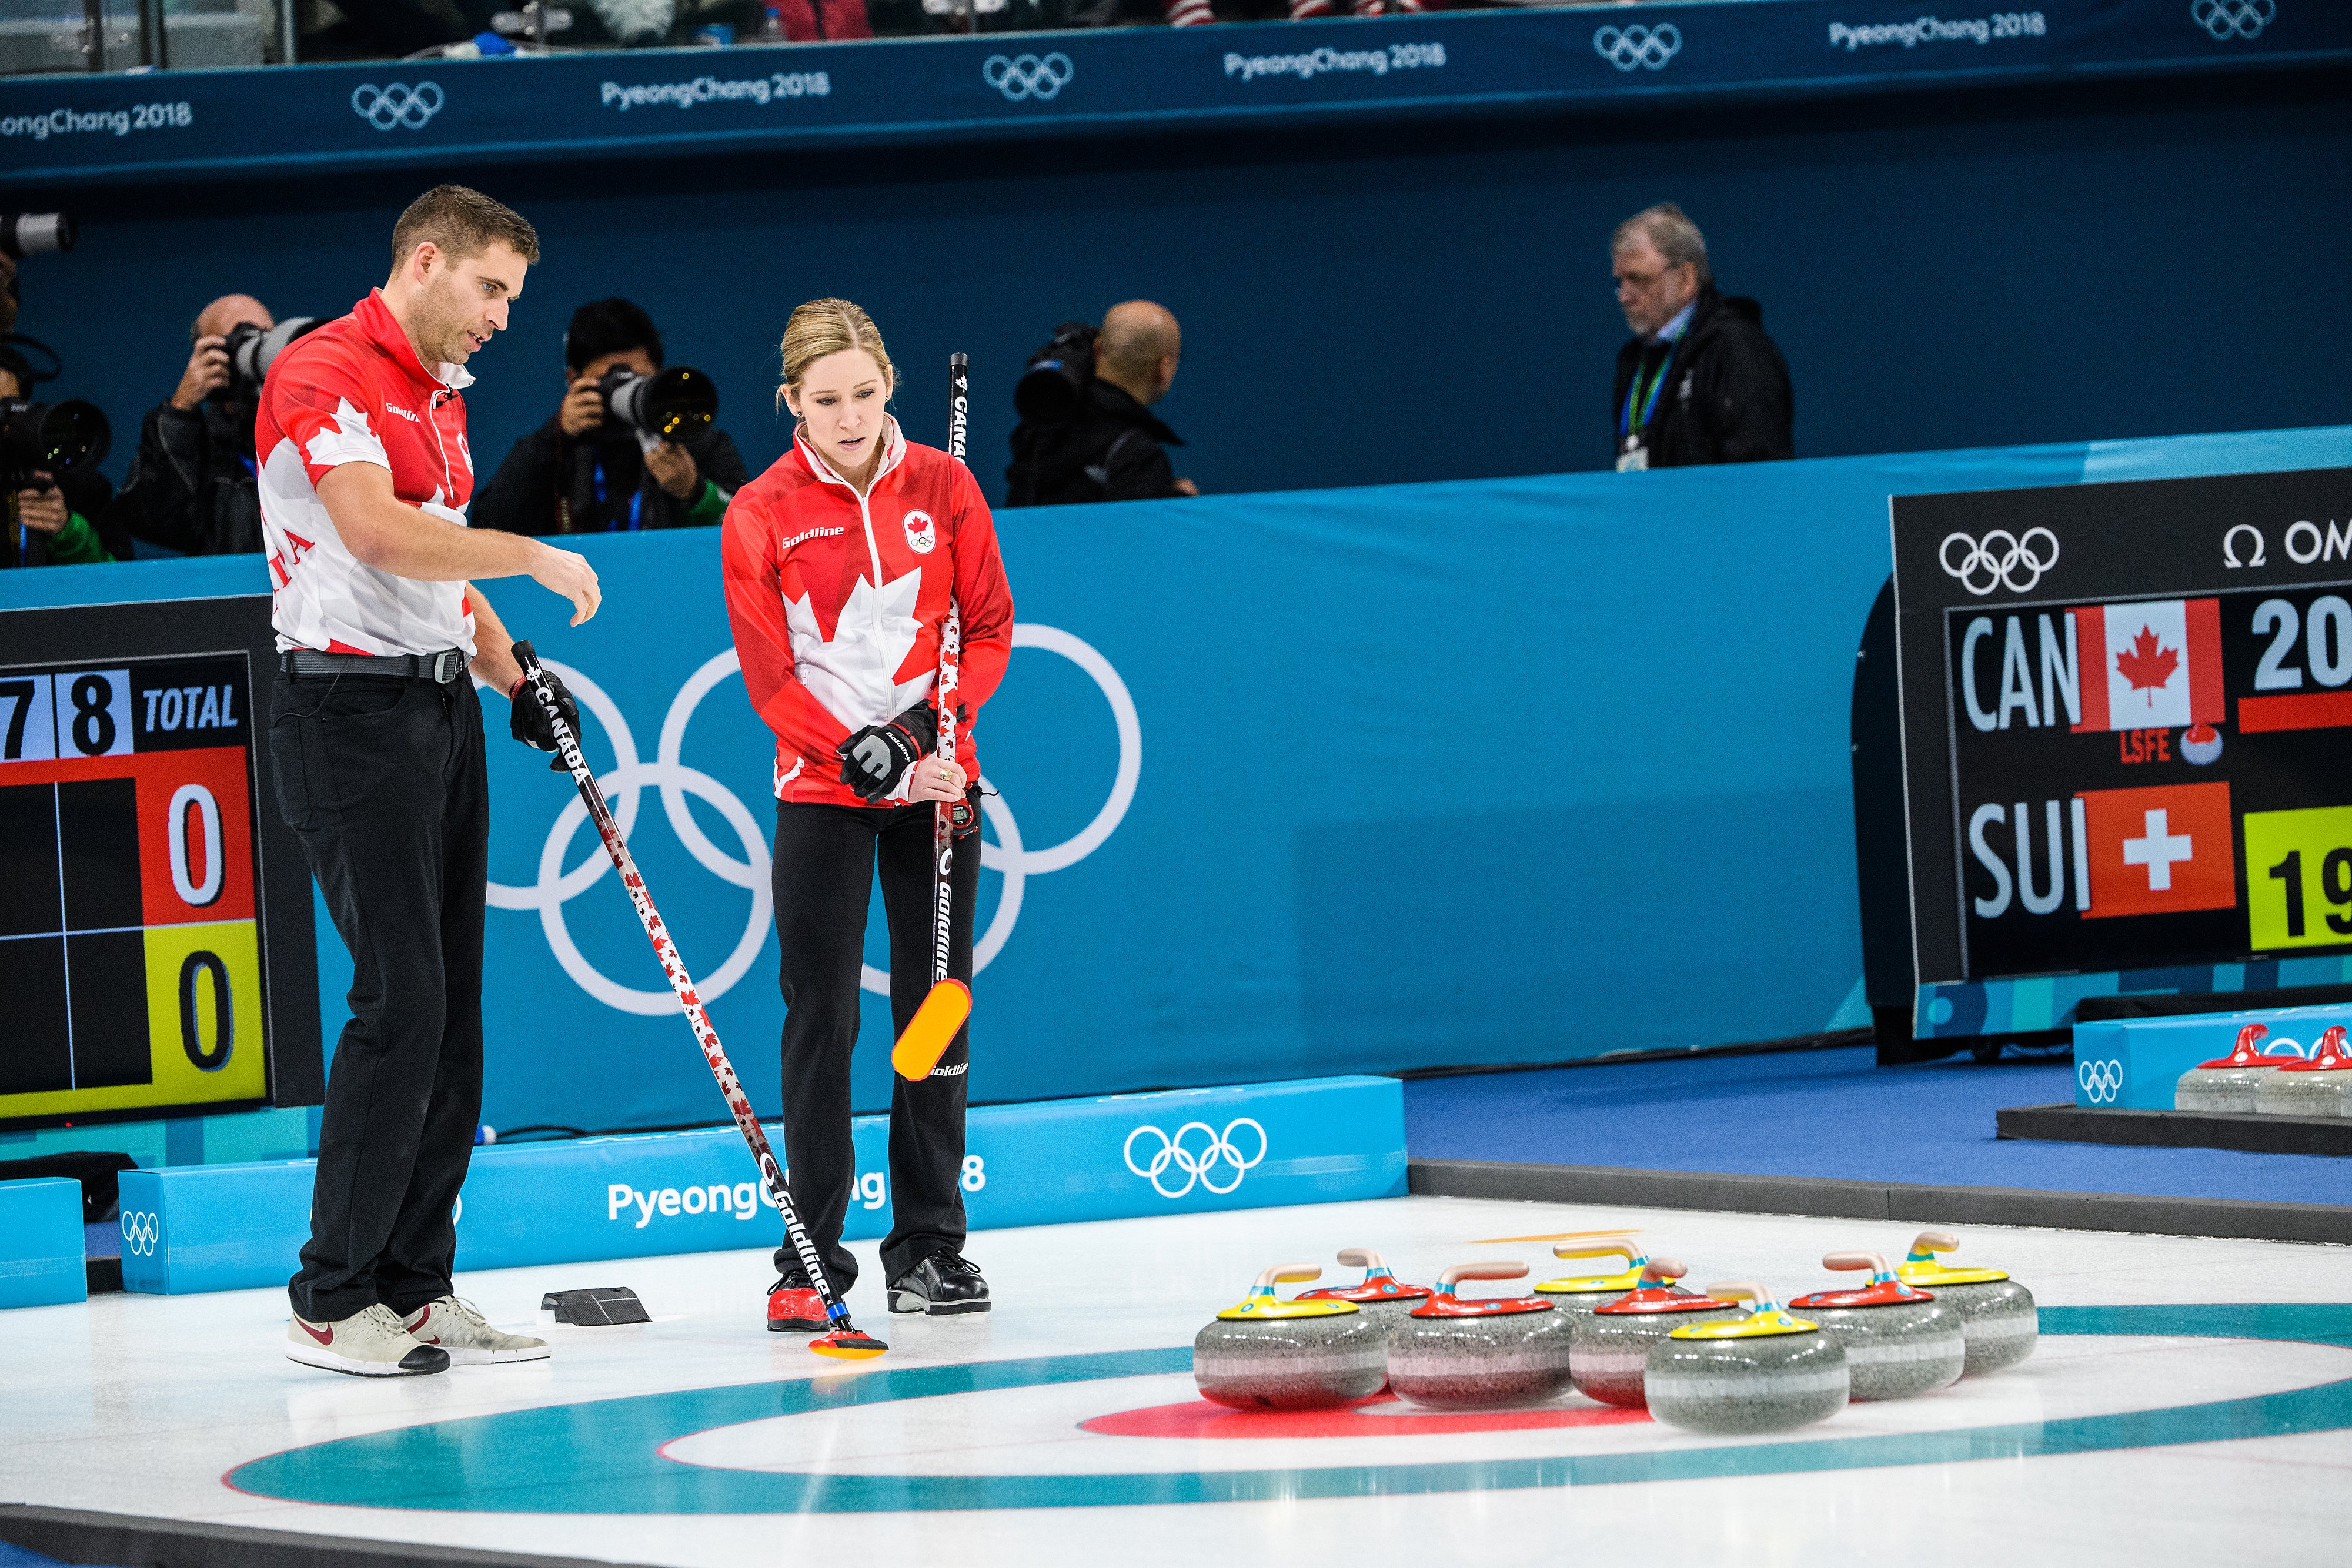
(35, 233)
(52, 438)
(252, 349)
(1054, 380)
(666, 405)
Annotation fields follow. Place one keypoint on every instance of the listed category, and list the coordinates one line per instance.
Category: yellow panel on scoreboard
(2299, 878)
(203, 1012)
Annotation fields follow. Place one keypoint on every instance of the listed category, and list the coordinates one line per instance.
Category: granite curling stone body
(2318, 1087)
(1998, 1319)
(2229, 1082)
(1271, 1354)
(1610, 1345)
(1382, 1295)
(1453, 1354)
(1898, 1342)
(1762, 1371)
(1578, 1295)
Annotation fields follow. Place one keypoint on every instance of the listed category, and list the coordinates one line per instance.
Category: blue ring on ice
(600, 1455)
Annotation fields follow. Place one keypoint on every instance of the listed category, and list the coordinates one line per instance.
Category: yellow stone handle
(1873, 1262)
(1743, 1290)
(1288, 1274)
(1927, 1243)
(1658, 1271)
(1614, 1249)
(1460, 1271)
(1361, 1257)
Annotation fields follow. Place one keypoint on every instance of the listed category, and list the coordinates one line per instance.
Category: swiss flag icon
(2159, 851)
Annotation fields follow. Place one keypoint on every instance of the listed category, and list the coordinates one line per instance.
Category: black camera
(1054, 382)
(662, 406)
(252, 349)
(35, 233)
(54, 438)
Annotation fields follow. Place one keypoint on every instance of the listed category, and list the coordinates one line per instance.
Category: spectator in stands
(191, 481)
(1112, 448)
(580, 473)
(1698, 382)
(53, 523)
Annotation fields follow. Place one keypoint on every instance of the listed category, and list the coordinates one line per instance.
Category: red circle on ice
(1364, 1418)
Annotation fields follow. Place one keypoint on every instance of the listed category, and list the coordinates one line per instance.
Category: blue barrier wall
(1977, 266)
(1313, 864)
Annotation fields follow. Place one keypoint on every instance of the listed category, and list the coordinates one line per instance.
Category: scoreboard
(2128, 724)
(152, 962)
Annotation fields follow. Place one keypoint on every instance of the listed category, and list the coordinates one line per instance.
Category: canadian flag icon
(2157, 851)
(2162, 662)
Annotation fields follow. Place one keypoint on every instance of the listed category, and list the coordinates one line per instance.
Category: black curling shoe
(942, 1284)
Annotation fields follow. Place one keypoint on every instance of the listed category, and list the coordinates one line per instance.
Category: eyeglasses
(1640, 282)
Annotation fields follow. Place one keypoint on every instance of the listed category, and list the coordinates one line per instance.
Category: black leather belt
(442, 667)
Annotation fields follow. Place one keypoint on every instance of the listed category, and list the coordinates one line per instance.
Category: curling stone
(1897, 1340)
(1610, 1345)
(1455, 1354)
(1381, 1295)
(1763, 1371)
(1578, 1295)
(1271, 1354)
(2229, 1082)
(1997, 1315)
(2319, 1087)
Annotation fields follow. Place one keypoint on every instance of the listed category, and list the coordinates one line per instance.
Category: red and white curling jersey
(354, 391)
(838, 602)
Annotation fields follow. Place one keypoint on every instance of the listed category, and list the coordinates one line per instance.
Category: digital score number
(130, 948)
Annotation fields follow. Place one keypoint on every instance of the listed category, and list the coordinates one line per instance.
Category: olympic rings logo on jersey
(398, 104)
(1999, 558)
(624, 783)
(1638, 48)
(2101, 1082)
(140, 1232)
(1199, 1166)
(1028, 76)
(2227, 19)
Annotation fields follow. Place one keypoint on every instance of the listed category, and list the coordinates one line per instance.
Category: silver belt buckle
(447, 665)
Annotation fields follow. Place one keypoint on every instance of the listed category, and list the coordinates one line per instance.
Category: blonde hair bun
(824, 327)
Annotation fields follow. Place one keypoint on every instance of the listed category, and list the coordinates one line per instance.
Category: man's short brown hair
(461, 222)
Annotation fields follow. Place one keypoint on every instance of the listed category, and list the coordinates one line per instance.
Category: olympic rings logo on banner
(398, 104)
(2101, 1082)
(140, 1231)
(1999, 558)
(2227, 19)
(1638, 48)
(625, 784)
(1220, 1150)
(1028, 76)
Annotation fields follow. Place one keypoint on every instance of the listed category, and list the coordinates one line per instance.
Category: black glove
(528, 720)
(873, 760)
(965, 821)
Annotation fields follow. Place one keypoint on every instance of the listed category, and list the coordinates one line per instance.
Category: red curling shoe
(793, 1306)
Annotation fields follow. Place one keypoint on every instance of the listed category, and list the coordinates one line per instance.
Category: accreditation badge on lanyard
(1634, 420)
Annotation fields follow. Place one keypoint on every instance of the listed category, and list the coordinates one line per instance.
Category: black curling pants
(383, 780)
(825, 864)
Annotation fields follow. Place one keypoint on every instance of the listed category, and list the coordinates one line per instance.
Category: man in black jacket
(581, 474)
(1113, 447)
(1698, 382)
(192, 484)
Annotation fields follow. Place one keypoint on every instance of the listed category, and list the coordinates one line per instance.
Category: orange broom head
(931, 1030)
(847, 1344)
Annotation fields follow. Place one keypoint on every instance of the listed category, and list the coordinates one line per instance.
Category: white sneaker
(458, 1327)
(366, 1344)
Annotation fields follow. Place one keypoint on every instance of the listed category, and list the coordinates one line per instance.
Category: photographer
(586, 471)
(192, 485)
(1098, 440)
(53, 521)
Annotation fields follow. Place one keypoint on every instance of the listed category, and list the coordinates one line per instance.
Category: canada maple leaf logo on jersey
(2147, 663)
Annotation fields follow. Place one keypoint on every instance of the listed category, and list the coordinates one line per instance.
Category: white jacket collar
(894, 449)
